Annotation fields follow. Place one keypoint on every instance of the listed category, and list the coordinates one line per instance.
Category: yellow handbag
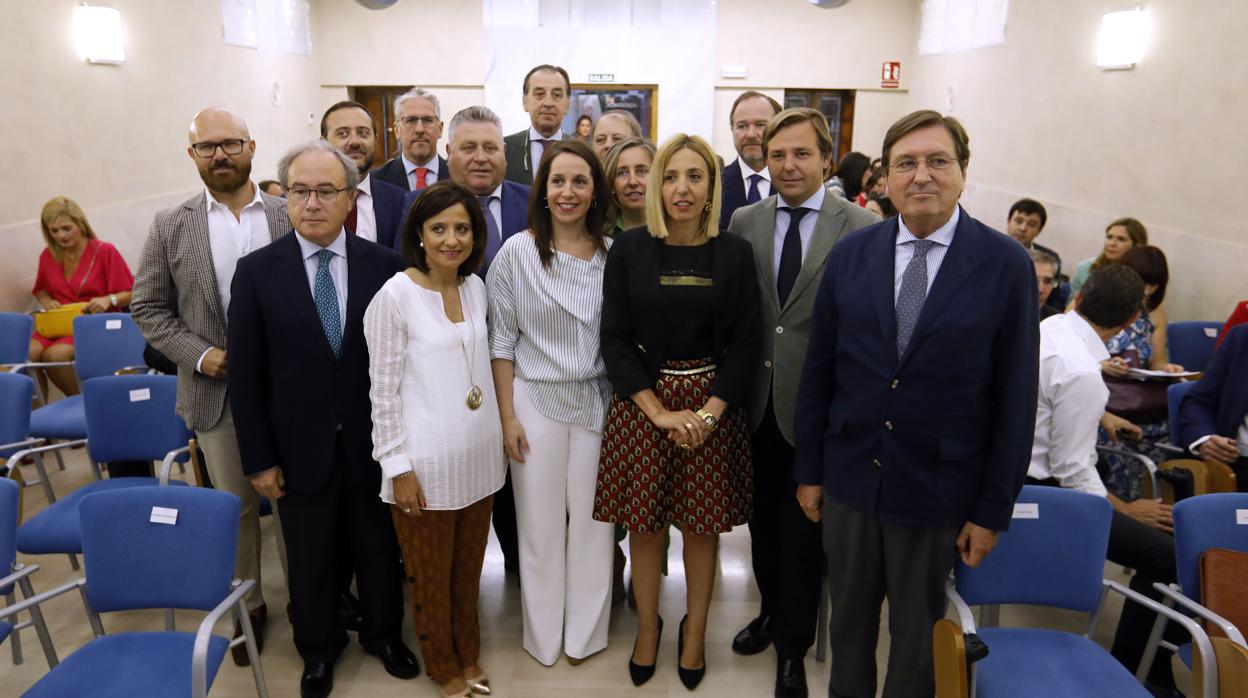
(59, 322)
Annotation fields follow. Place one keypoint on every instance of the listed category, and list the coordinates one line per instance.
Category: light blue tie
(913, 293)
(326, 298)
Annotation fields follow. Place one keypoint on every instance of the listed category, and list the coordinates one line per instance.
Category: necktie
(913, 293)
(353, 216)
(790, 254)
(494, 239)
(541, 153)
(753, 195)
(422, 174)
(326, 298)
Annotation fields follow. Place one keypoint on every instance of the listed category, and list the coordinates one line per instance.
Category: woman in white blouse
(436, 429)
(545, 289)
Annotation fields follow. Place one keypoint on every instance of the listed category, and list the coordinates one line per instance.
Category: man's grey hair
(1042, 257)
(474, 115)
(633, 124)
(414, 93)
(320, 146)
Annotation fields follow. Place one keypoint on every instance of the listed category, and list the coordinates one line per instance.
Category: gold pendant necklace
(475, 394)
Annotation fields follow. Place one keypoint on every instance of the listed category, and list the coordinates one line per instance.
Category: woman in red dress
(76, 267)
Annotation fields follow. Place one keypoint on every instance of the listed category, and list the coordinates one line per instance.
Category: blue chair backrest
(1053, 554)
(15, 331)
(1191, 343)
(1174, 398)
(8, 528)
(1204, 522)
(132, 417)
(132, 562)
(16, 392)
(104, 343)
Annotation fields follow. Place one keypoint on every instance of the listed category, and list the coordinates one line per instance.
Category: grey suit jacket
(786, 330)
(177, 304)
(516, 149)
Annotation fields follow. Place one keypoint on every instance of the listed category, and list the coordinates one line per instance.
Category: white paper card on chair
(1026, 510)
(140, 395)
(1241, 517)
(112, 324)
(1211, 332)
(164, 515)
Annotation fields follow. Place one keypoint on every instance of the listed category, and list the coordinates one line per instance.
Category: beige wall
(1094, 145)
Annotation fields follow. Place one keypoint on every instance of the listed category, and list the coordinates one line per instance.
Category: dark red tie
(421, 174)
(352, 216)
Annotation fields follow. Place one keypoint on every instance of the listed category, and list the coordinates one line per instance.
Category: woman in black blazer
(680, 335)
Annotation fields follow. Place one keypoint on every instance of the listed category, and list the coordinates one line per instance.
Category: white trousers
(566, 557)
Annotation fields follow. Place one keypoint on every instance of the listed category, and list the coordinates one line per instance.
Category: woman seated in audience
(436, 430)
(1142, 345)
(848, 179)
(584, 127)
(614, 126)
(680, 335)
(545, 289)
(627, 167)
(272, 188)
(1120, 236)
(881, 205)
(76, 267)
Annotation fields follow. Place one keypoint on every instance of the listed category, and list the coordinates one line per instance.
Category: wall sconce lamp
(97, 34)
(1123, 38)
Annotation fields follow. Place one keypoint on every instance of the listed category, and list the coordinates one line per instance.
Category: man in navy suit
(378, 209)
(1213, 418)
(917, 406)
(746, 179)
(417, 126)
(298, 384)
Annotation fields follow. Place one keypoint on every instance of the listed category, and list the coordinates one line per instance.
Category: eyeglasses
(411, 121)
(232, 146)
(936, 163)
(325, 195)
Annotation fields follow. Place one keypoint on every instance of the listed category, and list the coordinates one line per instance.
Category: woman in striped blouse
(545, 291)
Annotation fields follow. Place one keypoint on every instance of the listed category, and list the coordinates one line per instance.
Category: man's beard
(226, 179)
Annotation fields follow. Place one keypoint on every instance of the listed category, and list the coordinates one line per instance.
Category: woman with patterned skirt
(680, 318)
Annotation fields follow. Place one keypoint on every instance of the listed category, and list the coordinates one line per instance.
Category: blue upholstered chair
(1191, 343)
(15, 331)
(14, 574)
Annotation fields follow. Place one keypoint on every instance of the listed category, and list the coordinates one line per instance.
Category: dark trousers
(786, 547)
(505, 524)
(868, 561)
(1240, 466)
(311, 526)
(1150, 552)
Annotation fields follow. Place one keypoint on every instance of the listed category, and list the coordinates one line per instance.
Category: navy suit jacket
(515, 203)
(942, 436)
(733, 193)
(387, 210)
(395, 174)
(288, 392)
(1218, 402)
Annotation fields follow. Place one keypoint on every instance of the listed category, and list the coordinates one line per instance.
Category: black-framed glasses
(325, 195)
(230, 146)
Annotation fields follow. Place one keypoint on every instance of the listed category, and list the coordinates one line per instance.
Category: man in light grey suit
(792, 235)
(182, 294)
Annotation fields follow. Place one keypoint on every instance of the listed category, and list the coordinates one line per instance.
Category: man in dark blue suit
(298, 383)
(378, 209)
(417, 126)
(1213, 419)
(746, 181)
(917, 405)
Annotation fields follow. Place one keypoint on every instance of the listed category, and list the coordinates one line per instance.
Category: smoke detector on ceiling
(829, 4)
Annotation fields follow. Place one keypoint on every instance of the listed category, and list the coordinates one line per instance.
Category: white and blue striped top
(546, 321)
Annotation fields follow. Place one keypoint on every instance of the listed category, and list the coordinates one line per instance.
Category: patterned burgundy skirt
(646, 482)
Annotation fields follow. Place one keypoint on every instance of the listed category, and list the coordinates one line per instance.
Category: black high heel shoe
(689, 677)
(641, 673)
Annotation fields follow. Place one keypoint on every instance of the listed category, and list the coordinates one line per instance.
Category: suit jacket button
(876, 462)
(767, 364)
(895, 384)
(888, 425)
(779, 330)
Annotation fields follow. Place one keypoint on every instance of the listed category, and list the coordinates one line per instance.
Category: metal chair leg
(41, 627)
(15, 639)
(43, 476)
(73, 561)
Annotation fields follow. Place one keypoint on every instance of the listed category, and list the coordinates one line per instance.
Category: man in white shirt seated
(1071, 404)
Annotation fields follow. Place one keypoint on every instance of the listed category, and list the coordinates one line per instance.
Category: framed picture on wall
(639, 100)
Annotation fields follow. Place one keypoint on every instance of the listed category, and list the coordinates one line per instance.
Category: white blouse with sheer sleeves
(419, 387)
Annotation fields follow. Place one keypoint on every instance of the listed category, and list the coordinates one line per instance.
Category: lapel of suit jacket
(276, 215)
(761, 228)
(293, 274)
(358, 297)
(964, 255)
(195, 223)
(880, 275)
(829, 227)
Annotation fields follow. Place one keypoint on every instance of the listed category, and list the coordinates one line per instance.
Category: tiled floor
(514, 673)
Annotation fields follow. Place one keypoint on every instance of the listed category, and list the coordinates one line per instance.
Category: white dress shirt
(230, 239)
(764, 185)
(365, 217)
(1241, 440)
(805, 228)
(942, 236)
(410, 168)
(535, 146)
(1072, 398)
(337, 268)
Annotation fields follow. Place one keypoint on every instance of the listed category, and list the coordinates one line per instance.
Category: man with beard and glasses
(378, 208)
(746, 181)
(181, 296)
(417, 126)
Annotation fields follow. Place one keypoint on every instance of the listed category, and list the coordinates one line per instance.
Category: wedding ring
(687, 447)
(407, 511)
(688, 426)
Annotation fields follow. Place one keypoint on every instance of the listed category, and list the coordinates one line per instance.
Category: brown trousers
(444, 552)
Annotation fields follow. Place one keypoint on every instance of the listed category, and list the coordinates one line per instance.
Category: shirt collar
(1085, 332)
(746, 171)
(535, 135)
(409, 166)
(255, 199)
(309, 248)
(497, 193)
(365, 186)
(942, 236)
(814, 203)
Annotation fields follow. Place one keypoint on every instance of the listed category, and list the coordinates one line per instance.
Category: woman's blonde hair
(55, 208)
(656, 215)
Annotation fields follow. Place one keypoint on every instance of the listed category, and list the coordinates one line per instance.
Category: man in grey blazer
(792, 235)
(182, 294)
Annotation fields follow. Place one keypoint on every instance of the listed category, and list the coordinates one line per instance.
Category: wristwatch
(112, 299)
(711, 422)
